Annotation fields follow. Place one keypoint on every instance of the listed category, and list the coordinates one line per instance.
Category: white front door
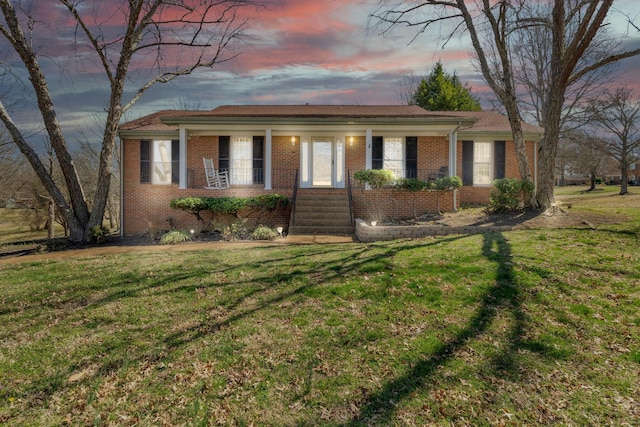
(322, 162)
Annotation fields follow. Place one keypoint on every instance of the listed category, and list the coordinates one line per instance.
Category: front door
(322, 162)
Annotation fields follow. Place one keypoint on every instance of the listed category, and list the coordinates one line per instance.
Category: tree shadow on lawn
(504, 294)
(355, 261)
(131, 285)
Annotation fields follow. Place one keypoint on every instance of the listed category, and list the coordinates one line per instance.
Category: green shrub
(236, 231)
(447, 183)
(376, 178)
(268, 202)
(99, 234)
(262, 232)
(413, 184)
(174, 237)
(509, 194)
(228, 205)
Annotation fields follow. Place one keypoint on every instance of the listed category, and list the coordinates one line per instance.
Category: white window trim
(161, 162)
(403, 159)
(240, 175)
(490, 163)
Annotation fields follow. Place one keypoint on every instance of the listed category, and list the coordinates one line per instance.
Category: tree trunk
(625, 178)
(52, 219)
(592, 182)
(551, 115)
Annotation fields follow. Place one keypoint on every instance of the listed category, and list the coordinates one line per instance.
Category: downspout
(453, 160)
(121, 187)
(535, 165)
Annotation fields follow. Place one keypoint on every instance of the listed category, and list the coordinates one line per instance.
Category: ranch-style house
(309, 153)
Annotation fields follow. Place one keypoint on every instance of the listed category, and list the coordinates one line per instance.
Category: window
(399, 155)
(243, 157)
(482, 162)
(160, 161)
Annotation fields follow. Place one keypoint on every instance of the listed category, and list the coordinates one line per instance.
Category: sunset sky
(296, 52)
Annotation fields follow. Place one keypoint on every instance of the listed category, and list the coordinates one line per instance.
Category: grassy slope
(535, 327)
(14, 227)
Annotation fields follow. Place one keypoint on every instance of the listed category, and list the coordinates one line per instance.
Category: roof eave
(184, 121)
(147, 134)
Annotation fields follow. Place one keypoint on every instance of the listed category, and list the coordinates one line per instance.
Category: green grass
(14, 227)
(536, 327)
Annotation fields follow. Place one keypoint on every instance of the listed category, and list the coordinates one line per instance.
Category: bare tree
(531, 56)
(407, 86)
(150, 33)
(585, 155)
(617, 116)
(492, 26)
(15, 172)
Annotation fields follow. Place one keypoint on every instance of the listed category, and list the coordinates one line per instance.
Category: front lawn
(536, 327)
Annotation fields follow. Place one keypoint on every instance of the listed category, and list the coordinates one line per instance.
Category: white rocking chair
(215, 179)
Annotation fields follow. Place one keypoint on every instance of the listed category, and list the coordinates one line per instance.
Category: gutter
(121, 188)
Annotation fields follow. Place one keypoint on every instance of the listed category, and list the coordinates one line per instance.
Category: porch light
(293, 141)
(350, 141)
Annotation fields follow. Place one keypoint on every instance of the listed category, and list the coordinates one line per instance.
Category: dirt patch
(60, 247)
(565, 218)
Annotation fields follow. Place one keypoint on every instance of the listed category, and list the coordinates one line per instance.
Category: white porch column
(368, 155)
(453, 164)
(453, 152)
(183, 159)
(267, 160)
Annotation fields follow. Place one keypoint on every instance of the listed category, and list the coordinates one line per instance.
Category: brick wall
(433, 152)
(146, 206)
(392, 204)
(479, 195)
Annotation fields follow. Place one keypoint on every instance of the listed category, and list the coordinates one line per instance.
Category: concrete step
(316, 229)
(322, 209)
(323, 221)
(322, 213)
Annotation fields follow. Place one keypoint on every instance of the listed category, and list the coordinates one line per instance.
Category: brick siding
(146, 206)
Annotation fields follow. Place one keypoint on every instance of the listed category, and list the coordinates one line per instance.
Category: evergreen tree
(441, 91)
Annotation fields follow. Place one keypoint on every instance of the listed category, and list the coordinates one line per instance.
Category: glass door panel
(322, 163)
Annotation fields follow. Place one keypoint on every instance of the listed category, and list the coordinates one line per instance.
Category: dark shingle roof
(485, 121)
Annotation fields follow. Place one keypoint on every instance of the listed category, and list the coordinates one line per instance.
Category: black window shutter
(175, 161)
(499, 155)
(376, 152)
(411, 157)
(145, 161)
(223, 152)
(258, 159)
(467, 162)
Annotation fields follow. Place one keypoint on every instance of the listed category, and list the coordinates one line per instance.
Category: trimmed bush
(175, 237)
(232, 206)
(376, 178)
(262, 232)
(99, 234)
(413, 184)
(509, 194)
(236, 231)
